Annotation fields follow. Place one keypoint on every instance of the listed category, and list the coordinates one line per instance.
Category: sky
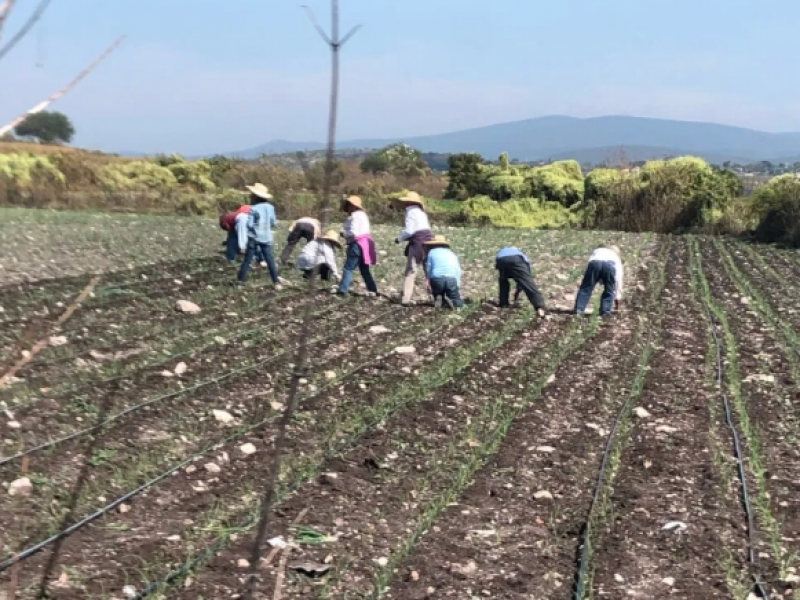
(203, 76)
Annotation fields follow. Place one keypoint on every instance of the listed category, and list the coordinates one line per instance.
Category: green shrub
(506, 186)
(23, 171)
(466, 176)
(136, 175)
(527, 213)
(777, 208)
(561, 182)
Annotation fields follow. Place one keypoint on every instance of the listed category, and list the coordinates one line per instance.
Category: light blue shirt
(442, 262)
(511, 251)
(260, 222)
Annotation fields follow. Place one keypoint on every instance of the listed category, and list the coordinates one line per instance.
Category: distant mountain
(561, 136)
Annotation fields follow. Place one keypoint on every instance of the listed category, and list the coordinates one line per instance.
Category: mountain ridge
(552, 136)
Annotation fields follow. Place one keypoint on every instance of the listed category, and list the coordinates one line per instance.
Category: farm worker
(416, 231)
(604, 266)
(511, 263)
(305, 228)
(260, 221)
(444, 271)
(320, 253)
(361, 251)
(230, 222)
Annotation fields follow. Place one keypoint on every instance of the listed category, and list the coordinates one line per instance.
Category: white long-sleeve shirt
(316, 253)
(606, 254)
(416, 220)
(356, 225)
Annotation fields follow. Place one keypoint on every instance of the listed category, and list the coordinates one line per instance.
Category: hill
(563, 136)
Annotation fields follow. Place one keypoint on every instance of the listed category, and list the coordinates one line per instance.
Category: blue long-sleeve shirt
(260, 222)
(442, 262)
(511, 251)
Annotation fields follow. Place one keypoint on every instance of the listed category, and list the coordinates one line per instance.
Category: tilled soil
(374, 494)
(143, 443)
(771, 398)
(183, 503)
(668, 474)
(515, 530)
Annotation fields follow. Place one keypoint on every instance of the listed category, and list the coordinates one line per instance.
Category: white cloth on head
(608, 255)
(240, 223)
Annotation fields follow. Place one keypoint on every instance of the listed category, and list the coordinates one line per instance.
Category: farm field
(506, 457)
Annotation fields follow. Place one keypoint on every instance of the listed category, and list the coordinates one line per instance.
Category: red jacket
(228, 221)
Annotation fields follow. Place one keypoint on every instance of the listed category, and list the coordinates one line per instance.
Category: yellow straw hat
(411, 198)
(260, 190)
(438, 240)
(354, 201)
(332, 237)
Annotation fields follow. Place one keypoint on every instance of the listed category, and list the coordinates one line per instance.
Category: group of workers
(250, 233)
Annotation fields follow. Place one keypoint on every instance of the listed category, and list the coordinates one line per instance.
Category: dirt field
(506, 457)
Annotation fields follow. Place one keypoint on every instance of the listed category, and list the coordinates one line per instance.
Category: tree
(466, 176)
(398, 159)
(47, 127)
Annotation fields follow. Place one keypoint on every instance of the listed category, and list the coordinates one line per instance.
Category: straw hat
(260, 190)
(438, 240)
(411, 198)
(332, 237)
(353, 201)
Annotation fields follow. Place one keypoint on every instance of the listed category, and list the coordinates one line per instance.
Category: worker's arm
(242, 226)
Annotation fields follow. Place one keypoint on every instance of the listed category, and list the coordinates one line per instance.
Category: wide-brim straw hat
(332, 237)
(260, 190)
(411, 198)
(353, 201)
(438, 240)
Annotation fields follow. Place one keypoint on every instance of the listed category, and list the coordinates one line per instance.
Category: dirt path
(194, 504)
(768, 417)
(374, 494)
(515, 530)
(668, 473)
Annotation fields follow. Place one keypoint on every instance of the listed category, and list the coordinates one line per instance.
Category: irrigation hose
(214, 548)
(5, 564)
(738, 455)
(177, 393)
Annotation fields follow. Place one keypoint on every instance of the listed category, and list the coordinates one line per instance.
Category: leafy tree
(466, 176)
(503, 160)
(47, 127)
(561, 181)
(398, 159)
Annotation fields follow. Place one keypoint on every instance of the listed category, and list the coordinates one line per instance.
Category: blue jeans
(232, 247)
(354, 259)
(447, 287)
(598, 271)
(262, 251)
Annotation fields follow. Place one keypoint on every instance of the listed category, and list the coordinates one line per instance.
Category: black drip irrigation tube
(94, 383)
(30, 551)
(213, 549)
(181, 392)
(757, 586)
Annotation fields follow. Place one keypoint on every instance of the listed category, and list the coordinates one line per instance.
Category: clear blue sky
(199, 76)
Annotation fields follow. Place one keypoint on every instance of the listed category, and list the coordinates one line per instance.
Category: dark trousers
(355, 260)
(515, 267)
(253, 249)
(232, 247)
(598, 271)
(301, 231)
(324, 273)
(447, 287)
